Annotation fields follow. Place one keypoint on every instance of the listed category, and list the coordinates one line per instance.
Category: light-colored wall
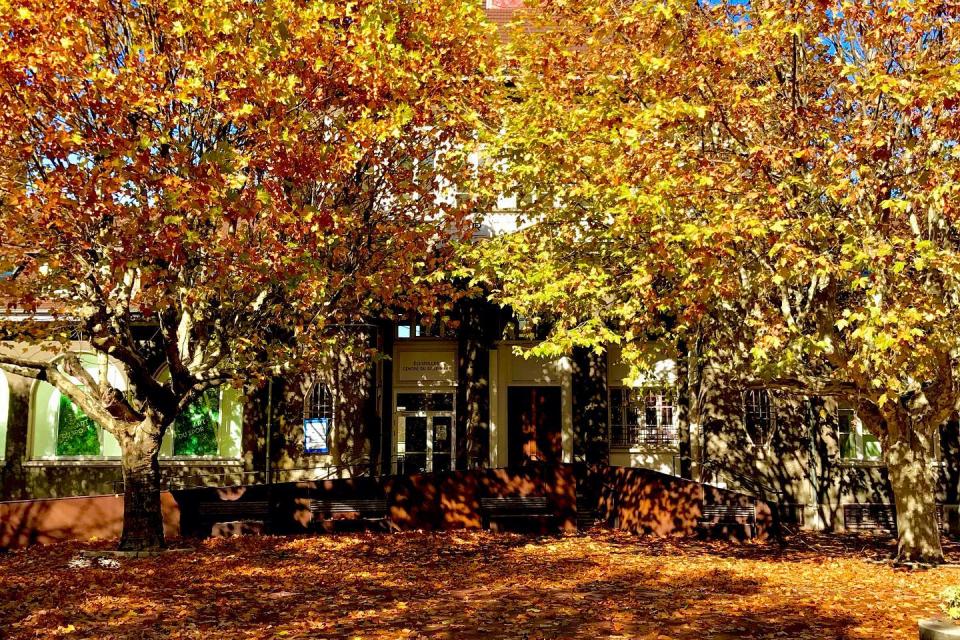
(350, 375)
(662, 461)
(618, 372)
(4, 413)
(510, 369)
(658, 458)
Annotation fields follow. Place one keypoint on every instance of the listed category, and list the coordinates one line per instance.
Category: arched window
(317, 418)
(4, 413)
(210, 427)
(195, 431)
(77, 435)
(61, 430)
(758, 416)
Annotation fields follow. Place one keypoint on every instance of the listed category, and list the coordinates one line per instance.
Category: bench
(514, 507)
(726, 515)
(325, 511)
(876, 518)
(218, 512)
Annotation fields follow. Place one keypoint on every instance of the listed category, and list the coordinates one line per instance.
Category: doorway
(534, 416)
(425, 432)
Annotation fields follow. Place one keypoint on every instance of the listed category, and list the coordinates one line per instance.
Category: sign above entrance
(432, 367)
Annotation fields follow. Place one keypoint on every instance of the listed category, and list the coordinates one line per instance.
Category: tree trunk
(914, 492)
(142, 516)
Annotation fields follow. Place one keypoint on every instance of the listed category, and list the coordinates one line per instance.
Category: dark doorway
(533, 425)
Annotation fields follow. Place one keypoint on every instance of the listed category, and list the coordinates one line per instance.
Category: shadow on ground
(471, 585)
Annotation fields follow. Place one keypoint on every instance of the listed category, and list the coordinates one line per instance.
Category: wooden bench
(218, 512)
(325, 511)
(514, 508)
(726, 515)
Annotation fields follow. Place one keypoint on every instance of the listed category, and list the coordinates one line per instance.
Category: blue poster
(316, 432)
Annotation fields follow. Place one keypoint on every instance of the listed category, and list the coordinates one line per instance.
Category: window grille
(758, 415)
(642, 417)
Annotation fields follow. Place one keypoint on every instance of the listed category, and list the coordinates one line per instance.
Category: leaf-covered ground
(471, 585)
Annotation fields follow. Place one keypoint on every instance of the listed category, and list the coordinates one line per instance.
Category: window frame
(308, 414)
(766, 434)
(857, 432)
(636, 399)
(168, 444)
(90, 361)
(217, 433)
(434, 331)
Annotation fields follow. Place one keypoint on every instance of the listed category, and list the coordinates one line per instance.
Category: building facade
(418, 397)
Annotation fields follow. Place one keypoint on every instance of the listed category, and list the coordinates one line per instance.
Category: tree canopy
(774, 178)
(240, 175)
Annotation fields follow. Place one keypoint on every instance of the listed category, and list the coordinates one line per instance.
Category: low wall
(646, 501)
(26, 522)
(432, 501)
(635, 499)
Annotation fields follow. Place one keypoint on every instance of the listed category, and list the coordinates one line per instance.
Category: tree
(237, 176)
(786, 169)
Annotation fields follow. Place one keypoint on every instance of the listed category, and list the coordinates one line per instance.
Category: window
(210, 427)
(317, 419)
(420, 328)
(758, 416)
(642, 417)
(855, 442)
(195, 430)
(61, 430)
(77, 435)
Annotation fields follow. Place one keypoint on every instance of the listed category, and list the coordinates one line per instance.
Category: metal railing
(629, 435)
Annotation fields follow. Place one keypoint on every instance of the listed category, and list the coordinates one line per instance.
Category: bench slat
(349, 506)
(531, 501)
(721, 513)
(515, 507)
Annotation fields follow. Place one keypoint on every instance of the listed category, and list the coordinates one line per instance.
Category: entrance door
(441, 427)
(425, 433)
(413, 457)
(534, 415)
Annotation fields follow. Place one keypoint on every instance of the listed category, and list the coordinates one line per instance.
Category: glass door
(425, 432)
(441, 427)
(414, 444)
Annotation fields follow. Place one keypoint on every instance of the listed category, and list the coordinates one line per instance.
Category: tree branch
(808, 386)
(90, 405)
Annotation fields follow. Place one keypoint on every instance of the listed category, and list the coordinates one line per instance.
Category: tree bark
(914, 493)
(142, 515)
